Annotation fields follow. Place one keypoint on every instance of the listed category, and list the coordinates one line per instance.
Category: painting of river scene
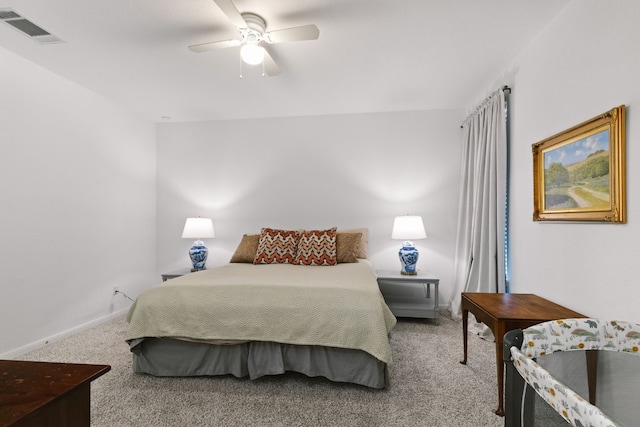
(576, 175)
(580, 173)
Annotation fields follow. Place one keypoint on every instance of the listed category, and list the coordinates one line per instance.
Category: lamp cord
(125, 295)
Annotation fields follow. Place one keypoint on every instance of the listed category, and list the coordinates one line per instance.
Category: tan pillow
(347, 245)
(246, 250)
(363, 249)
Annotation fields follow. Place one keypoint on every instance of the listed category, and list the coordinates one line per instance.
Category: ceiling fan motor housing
(255, 28)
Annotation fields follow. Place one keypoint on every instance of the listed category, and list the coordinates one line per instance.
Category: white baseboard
(12, 354)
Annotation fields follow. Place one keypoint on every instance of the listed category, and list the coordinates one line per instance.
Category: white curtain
(479, 264)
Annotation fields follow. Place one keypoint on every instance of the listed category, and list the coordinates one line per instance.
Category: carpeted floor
(429, 387)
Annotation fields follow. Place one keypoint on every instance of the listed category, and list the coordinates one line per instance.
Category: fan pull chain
(240, 66)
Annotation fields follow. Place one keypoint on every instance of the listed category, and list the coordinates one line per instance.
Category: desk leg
(465, 327)
(499, 330)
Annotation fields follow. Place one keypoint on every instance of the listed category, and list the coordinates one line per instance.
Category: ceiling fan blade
(205, 47)
(270, 66)
(229, 9)
(305, 32)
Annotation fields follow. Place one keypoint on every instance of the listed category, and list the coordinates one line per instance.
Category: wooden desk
(505, 312)
(46, 394)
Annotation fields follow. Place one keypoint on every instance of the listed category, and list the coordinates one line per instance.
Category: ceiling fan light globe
(252, 54)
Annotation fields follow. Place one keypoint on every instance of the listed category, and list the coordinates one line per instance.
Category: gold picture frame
(580, 174)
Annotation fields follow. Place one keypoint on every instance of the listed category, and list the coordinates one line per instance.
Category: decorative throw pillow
(247, 249)
(317, 247)
(347, 247)
(277, 246)
(363, 248)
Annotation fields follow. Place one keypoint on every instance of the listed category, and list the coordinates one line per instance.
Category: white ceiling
(372, 55)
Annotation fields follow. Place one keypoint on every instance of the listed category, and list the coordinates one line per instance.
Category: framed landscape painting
(579, 174)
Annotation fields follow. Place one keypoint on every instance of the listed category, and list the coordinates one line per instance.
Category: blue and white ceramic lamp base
(198, 254)
(408, 255)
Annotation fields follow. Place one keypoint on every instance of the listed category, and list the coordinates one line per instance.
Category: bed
(268, 318)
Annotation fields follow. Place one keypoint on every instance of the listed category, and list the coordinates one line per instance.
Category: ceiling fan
(253, 37)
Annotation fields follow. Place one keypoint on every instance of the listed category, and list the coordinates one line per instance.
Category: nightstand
(410, 296)
(174, 274)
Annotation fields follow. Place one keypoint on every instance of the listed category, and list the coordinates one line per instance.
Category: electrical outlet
(115, 289)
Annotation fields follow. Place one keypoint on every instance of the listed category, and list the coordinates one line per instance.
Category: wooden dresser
(46, 394)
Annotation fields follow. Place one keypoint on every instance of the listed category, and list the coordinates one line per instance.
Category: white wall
(77, 184)
(71, 160)
(583, 64)
(312, 172)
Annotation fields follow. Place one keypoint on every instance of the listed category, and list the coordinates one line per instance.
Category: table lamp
(198, 228)
(407, 228)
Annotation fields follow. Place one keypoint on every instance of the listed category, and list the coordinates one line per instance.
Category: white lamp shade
(198, 228)
(252, 54)
(408, 227)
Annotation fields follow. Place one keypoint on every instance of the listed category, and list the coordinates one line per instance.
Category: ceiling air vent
(27, 27)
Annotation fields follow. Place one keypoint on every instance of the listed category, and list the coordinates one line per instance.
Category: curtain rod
(504, 88)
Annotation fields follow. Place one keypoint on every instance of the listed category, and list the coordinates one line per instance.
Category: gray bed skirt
(175, 358)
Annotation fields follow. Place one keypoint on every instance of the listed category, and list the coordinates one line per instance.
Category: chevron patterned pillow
(277, 246)
(317, 247)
